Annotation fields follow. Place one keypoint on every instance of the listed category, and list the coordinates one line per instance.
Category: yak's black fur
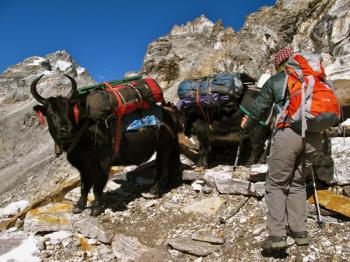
(224, 131)
(93, 153)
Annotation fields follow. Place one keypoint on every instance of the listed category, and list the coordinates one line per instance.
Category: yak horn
(74, 86)
(35, 93)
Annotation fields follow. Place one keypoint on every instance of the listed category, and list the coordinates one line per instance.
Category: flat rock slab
(52, 217)
(207, 237)
(130, 249)
(59, 236)
(208, 206)
(257, 172)
(224, 183)
(334, 202)
(92, 228)
(190, 246)
(191, 175)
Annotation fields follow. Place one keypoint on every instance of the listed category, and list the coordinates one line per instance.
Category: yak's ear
(41, 112)
(40, 108)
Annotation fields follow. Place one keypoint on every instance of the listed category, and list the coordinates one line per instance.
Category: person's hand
(244, 121)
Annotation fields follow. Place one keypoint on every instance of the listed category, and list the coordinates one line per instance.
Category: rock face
(202, 47)
(25, 147)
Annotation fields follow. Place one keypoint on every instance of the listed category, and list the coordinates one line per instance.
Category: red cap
(281, 56)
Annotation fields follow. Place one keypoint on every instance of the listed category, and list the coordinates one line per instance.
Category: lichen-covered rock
(52, 217)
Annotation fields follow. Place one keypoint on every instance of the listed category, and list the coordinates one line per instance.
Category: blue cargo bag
(223, 84)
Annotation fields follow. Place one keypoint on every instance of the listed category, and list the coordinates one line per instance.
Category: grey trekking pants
(285, 182)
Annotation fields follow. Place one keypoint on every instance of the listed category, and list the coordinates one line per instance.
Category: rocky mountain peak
(15, 81)
(199, 25)
(201, 47)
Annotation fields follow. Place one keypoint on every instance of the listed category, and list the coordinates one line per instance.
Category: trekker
(285, 182)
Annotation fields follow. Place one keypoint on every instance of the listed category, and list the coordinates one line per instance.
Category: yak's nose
(65, 130)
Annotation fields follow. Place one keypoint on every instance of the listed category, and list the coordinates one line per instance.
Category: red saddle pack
(124, 98)
(311, 104)
(134, 95)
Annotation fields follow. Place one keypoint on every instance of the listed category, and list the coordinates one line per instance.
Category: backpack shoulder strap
(281, 111)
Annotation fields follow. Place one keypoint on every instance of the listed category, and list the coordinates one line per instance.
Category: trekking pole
(222, 219)
(318, 213)
(238, 149)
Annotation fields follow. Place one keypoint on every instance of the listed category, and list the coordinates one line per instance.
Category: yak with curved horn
(90, 145)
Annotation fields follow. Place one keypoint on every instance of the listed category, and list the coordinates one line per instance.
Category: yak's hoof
(77, 209)
(156, 190)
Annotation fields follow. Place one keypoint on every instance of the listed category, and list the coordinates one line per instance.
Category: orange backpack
(312, 104)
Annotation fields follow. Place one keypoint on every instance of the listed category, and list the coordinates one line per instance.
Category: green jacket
(270, 93)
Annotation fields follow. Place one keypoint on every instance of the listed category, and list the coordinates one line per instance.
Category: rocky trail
(192, 222)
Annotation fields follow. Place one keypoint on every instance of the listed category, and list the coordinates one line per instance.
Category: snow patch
(37, 60)
(80, 70)
(24, 252)
(63, 65)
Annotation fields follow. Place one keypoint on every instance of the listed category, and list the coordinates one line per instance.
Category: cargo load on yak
(221, 89)
(133, 102)
(122, 96)
(130, 99)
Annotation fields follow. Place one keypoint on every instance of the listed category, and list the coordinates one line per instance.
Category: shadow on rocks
(130, 189)
(278, 254)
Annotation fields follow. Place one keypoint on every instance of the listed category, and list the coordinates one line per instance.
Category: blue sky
(106, 37)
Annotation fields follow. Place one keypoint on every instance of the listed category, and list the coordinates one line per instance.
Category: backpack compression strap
(120, 112)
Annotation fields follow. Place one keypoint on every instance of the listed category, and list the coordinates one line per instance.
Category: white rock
(242, 220)
(221, 178)
(57, 237)
(341, 159)
(150, 203)
(258, 231)
(130, 249)
(346, 122)
(110, 186)
(208, 206)
(196, 186)
(13, 208)
(259, 169)
(339, 70)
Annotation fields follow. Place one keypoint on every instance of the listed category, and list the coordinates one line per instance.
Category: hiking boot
(301, 238)
(273, 243)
